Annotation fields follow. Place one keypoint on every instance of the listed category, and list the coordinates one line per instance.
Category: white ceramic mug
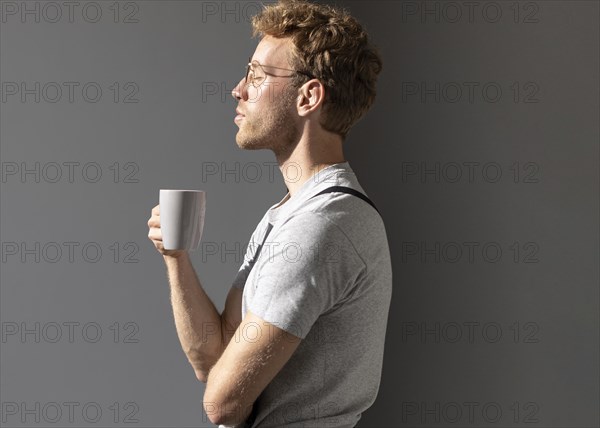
(182, 218)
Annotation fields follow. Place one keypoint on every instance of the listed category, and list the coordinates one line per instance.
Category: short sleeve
(305, 267)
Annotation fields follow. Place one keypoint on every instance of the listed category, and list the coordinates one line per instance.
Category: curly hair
(332, 46)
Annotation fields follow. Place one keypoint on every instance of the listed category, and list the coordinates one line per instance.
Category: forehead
(273, 51)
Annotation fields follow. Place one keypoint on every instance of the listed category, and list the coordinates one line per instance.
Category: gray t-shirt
(323, 274)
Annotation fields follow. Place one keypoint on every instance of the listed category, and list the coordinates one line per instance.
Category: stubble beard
(273, 129)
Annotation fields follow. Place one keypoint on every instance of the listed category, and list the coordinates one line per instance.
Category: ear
(311, 96)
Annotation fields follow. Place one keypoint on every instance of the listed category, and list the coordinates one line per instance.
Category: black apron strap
(349, 190)
(257, 253)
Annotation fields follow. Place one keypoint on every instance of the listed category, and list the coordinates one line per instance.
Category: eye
(255, 78)
(252, 76)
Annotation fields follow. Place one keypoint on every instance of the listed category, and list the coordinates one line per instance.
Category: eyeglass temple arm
(278, 68)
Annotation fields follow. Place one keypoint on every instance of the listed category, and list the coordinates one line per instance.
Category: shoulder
(360, 224)
(354, 216)
(307, 226)
(314, 238)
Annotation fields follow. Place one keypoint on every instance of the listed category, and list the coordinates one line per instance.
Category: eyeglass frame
(251, 64)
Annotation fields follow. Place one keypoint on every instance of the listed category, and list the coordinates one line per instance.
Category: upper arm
(258, 351)
(232, 314)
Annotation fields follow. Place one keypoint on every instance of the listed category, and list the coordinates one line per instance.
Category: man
(300, 340)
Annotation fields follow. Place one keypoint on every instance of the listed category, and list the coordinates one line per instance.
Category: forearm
(197, 320)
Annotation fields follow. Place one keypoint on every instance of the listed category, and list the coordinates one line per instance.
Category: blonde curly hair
(332, 46)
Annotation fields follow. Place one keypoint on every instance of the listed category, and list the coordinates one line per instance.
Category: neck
(307, 158)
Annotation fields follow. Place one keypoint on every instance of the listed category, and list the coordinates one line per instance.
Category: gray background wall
(490, 200)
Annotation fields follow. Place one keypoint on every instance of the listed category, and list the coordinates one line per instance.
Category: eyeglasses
(256, 74)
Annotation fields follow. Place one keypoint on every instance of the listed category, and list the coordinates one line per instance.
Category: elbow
(214, 411)
(201, 375)
(220, 414)
(211, 410)
(221, 405)
(221, 411)
(200, 369)
(201, 365)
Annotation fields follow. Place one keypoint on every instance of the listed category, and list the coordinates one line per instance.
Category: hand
(155, 235)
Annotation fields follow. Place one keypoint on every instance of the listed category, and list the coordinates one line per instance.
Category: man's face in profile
(270, 119)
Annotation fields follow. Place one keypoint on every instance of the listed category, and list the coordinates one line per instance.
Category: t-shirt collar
(288, 204)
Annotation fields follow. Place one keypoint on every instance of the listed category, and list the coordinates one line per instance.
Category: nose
(238, 91)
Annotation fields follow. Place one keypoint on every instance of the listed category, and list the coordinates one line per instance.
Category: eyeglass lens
(254, 73)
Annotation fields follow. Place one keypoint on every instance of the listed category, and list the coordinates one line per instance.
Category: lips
(239, 116)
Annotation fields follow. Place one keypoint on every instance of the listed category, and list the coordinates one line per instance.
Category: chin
(246, 144)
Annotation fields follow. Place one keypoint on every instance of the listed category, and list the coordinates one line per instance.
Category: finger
(153, 221)
(155, 234)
